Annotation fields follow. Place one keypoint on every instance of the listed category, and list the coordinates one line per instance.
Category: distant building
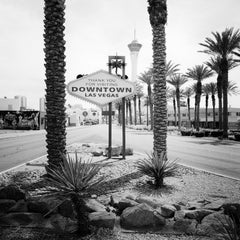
(233, 117)
(11, 104)
(23, 101)
(42, 104)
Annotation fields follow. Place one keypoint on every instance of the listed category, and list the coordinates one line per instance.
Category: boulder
(179, 215)
(149, 201)
(125, 203)
(97, 153)
(187, 226)
(128, 151)
(141, 215)
(197, 214)
(38, 207)
(116, 150)
(61, 224)
(22, 219)
(213, 224)
(6, 204)
(20, 206)
(167, 210)
(102, 219)
(12, 192)
(92, 205)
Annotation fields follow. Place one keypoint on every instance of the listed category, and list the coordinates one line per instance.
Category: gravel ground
(122, 178)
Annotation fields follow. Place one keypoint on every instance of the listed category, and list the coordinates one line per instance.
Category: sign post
(102, 88)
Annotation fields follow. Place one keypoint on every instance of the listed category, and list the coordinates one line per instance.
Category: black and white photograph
(119, 120)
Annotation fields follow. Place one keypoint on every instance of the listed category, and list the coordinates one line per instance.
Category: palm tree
(206, 92)
(146, 103)
(188, 93)
(171, 94)
(213, 91)
(54, 11)
(157, 10)
(146, 77)
(138, 90)
(199, 73)
(171, 69)
(215, 65)
(225, 46)
(139, 96)
(177, 80)
(232, 88)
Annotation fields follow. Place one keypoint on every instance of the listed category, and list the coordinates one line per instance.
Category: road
(210, 154)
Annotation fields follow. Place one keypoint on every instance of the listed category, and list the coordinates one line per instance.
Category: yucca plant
(231, 229)
(157, 167)
(75, 179)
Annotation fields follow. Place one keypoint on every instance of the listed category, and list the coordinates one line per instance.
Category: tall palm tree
(224, 45)
(198, 73)
(215, 64)
(188, 93)
(213, 90)
(157, 10)
(139, 96)
(177, 80)
(171, 94)
(146, 103)
(206, 92)
(54, 11)
(232, 88)
(146, 77)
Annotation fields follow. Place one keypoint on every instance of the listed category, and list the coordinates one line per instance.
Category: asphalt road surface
(210, 154)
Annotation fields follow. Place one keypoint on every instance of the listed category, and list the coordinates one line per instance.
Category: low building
(233, 117)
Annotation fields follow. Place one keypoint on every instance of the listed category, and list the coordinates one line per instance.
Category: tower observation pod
(134, 48)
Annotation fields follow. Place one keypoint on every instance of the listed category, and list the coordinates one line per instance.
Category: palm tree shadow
(115, 184)
(218, 142)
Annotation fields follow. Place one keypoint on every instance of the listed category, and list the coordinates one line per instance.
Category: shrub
(74, 180)
(231, 229)
(157, 168)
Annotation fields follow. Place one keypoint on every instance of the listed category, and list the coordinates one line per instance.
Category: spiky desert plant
(231, 229)
(157, 167)
(75, 179)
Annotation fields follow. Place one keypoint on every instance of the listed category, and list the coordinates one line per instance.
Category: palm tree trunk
(55, 80)
(219, 89)
(139, 110)
(150, 106)
(195, 112)
(206, 111)
(189, 113)
(225, 103)
(119, 114)
(160, 98)
(147, 113)
(214, 117)
(130, 113)
(178, 107)
(175, 112)
(127, 111)
(135, 109)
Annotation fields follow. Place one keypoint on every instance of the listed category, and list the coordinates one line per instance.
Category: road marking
(20, 165)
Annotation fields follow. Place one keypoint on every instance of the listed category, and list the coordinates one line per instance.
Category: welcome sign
(100, 88)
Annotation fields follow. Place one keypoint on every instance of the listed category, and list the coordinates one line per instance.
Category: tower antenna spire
(135, 34)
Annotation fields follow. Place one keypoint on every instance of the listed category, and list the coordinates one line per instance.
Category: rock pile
(134, 213)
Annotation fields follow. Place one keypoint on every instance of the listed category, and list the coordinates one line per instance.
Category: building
(23, 102)
(11, 104)
(134, 48)
(233, 117)
(77, 115)
(42, 104)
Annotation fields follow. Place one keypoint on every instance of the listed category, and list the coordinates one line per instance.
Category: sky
(96, 29)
